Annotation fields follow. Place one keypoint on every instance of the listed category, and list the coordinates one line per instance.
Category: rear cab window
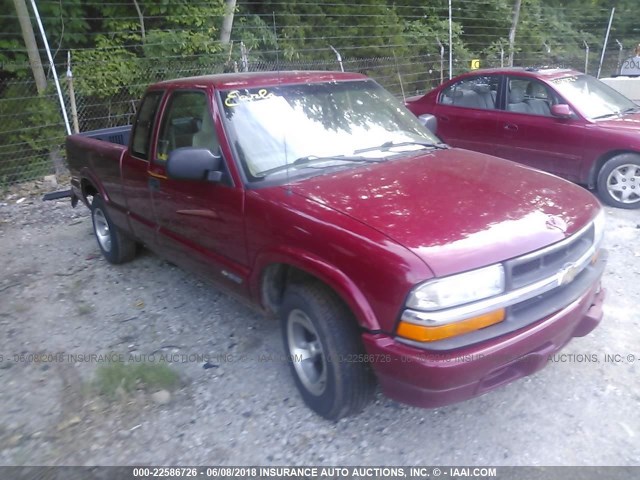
(143, 126)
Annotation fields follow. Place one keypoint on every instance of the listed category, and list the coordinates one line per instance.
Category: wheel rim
(101, 227)
(306, 352)
(623, 183)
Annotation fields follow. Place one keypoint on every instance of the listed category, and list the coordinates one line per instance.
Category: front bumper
(432, 379)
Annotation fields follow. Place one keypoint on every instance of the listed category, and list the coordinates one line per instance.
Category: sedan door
(529, 134)
(467, 113)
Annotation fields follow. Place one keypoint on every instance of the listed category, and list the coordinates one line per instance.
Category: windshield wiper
(630, 110)
(391, 144)
(309, 161)
(607, 115)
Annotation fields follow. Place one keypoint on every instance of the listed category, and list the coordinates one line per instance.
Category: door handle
(444, 118)
(511, 127)
(154, 183)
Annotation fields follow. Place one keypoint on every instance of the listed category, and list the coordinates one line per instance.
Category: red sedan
(560, 121)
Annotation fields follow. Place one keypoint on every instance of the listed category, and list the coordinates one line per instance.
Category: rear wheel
(114, 244)
(325, 352)
(619, 181)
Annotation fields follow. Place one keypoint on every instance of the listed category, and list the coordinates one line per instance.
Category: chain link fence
(32, 131)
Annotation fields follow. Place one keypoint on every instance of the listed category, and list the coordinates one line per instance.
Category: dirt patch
(237, 403)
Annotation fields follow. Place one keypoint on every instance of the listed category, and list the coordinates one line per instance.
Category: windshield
(594, 99)
(295, 129)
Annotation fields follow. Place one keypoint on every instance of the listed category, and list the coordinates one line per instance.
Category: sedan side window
(530, 96)
(475, 92)
(186, 123)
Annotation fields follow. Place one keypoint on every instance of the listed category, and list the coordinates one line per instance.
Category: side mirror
(561, 110)
(429, 121)
(190, 163)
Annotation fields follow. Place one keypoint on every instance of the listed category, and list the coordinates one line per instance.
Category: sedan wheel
(623, 183)
(619, 181)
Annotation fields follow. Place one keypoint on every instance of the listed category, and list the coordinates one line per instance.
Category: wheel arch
(274, 271)
(89, 186)
(599, 163)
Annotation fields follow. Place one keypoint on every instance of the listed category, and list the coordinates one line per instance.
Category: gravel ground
(57, 294)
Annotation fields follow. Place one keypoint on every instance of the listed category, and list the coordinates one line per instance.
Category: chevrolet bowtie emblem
(568, 273)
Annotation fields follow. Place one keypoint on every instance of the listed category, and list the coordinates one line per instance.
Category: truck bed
(118, 135)
(99, 153)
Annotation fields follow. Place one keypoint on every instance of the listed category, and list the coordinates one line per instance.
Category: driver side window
(529, 96)
(187, 122)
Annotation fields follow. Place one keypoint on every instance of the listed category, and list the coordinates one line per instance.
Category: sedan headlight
(458, 289)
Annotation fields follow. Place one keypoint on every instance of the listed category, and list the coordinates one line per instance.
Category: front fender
(317, 267)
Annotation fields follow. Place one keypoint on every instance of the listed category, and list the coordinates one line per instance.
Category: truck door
(200, 223)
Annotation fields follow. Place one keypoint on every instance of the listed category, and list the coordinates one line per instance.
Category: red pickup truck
(441, 273)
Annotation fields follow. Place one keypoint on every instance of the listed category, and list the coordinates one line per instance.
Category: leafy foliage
(120, 47)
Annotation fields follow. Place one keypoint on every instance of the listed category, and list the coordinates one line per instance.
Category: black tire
(113, 243)
(619, 181)
(313, 314)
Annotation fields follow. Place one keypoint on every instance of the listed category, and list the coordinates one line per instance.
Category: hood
(629, 123)
(456, 209)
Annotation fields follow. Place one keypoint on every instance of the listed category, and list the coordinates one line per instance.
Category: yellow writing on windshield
(235, 98)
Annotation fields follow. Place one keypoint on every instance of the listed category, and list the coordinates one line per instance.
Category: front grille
(531, 268)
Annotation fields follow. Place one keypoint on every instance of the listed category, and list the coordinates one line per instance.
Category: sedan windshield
(594, 99)
(301, 129)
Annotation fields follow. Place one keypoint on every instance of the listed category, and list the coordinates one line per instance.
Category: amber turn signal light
(422, 333)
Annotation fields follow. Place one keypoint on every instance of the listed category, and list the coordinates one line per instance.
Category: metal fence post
(338, 57)
(619, 55)
(72, 96)
(441, 60)
(243, 56)
(586, 56)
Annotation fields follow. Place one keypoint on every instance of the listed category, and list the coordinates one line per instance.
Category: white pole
(450, 44)
(53, 67)
(606, 40)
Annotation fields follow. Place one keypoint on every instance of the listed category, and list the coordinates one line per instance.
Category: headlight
(598, 227)
(458, 289)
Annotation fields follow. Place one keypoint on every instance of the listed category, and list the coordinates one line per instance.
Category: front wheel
(325, 352)
(114, 244)
(619, 181)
